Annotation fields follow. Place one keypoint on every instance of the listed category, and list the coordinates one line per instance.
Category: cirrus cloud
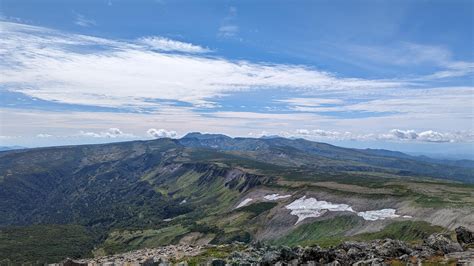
(165, 44)
(51, 65)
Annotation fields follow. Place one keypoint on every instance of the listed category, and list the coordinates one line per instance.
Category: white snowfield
(267, 197)
(275, 196)
(378, 214)
(244, 202)
(311, 207)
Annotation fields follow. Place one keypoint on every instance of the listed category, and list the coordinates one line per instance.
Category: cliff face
(85, 189)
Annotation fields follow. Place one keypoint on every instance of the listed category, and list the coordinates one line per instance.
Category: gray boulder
(218, 262)
(270, 257)
(390, 248)
(464, 236)
(442, 243)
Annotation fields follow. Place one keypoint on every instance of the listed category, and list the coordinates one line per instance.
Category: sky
(368, 74)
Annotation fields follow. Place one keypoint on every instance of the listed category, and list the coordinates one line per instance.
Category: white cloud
(165, 44)
(43, 135)
(45, 63)
(229, 28)
(82, 21)
(328, 134)
(404, 53)
(38, 63)
(110, 133)
(392, 135)
(161, 133)
(412, 54)
(429, 136)
(443, 101)
(453, 69)
(311, 102)
(402, 134)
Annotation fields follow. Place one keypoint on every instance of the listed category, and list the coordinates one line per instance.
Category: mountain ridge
(214, 189)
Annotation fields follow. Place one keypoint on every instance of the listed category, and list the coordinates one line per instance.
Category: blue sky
(390, 74)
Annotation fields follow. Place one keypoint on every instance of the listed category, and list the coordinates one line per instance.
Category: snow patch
(311, 207)
(244, 202)
(275, 196)
(378, 214)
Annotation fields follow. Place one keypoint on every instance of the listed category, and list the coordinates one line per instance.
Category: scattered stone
(377, 252)
(390, 248)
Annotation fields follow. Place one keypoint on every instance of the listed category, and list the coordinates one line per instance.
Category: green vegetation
(332, 232)
(219, 252)
(233, 236)
(45, 243)
(410, 231)
(151, 193)
(257, 208)
(126, 240)
(323, 233)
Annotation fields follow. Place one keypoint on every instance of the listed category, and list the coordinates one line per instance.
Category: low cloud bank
(393, 135)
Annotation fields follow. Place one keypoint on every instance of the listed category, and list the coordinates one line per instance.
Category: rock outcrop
(437, 248)
(465, 237)
(442, 243)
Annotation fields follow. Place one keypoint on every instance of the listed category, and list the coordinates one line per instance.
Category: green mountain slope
(130, 195)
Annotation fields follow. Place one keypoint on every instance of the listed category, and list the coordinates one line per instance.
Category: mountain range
(86, 200)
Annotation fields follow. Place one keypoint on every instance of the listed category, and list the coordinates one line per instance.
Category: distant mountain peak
(270, 137)
(199, 135)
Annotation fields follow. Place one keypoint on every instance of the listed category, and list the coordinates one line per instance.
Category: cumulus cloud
(401, 134)
(161, 133)
(429, 136)
(165, 44)
(110, 133)
(51, 65)
(392, 135)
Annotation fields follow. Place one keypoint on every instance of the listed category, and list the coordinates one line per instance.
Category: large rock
(270, 257)
(218, 262)
(464, 236)
(390, 248)
(442, 243)
(288, 254)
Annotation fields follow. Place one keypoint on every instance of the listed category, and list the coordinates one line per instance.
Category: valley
(209, 189)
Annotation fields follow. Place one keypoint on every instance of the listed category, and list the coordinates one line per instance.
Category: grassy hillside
(149, 193)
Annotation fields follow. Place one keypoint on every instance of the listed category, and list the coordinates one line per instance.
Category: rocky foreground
(435, 249)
